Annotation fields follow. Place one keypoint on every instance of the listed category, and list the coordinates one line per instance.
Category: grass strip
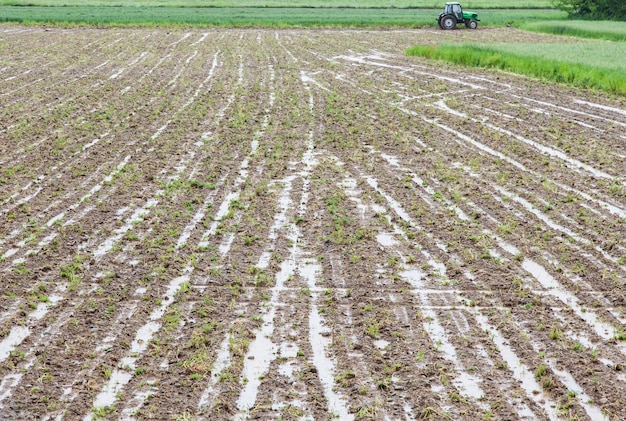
(254, 16)
(581, 75)
(606, 30)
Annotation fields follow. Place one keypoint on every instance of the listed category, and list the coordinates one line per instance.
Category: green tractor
(453, 14)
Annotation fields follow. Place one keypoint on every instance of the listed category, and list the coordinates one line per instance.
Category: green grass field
(597, 65)
(608, 30)
(267, 13)
(403, 4)
(606, 55)
(258, 17)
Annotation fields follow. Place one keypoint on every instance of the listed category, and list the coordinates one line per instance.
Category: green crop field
(403, 4)
(609, 30)
(597, 65)
(606, 55)
(257, 17)
(266, 13)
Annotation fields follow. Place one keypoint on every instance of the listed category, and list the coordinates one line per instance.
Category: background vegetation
(377, 4)
(594, 9)
(258, 17)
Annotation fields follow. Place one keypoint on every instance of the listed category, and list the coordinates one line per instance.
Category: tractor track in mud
(299, 224)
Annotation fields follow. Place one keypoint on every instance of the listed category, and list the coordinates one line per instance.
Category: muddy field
(303, 225)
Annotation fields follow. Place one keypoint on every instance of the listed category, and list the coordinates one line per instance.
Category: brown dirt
(365, 235)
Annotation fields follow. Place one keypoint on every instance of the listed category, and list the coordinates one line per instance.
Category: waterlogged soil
(304, 224)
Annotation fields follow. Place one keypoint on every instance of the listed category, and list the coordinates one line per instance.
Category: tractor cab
(454, 9)
(453, 14)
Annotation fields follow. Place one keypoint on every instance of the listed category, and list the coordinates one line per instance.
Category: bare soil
(304, 224)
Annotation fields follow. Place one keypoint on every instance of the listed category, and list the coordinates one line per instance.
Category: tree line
(594, 9)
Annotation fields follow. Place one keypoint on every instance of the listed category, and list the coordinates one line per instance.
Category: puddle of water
(18, 333)
(545, 219)
(15, 337)
(349, 184)
(194, 222)
(520, 372)
(600, 106)
(467, 384)
(593, 411)
(507, 247)
(378, 209)
(223, 356)
(9, 253)
(554, 153)
(137, 216)
(610, 207)
(437, 388)
(55, 219)
(262, 349)
(187, 35)
(414, 277)
(137, 402)
(117, 74)
(325, 366)
(123, 374)
(386, 239)
(320, 341)
(397, 207)
(296, 403)
(225, 245)
(94, 142)
(287, 369)
(604, 330)
(117, 381)
(222, 360)
(140, 291)
(526, 413)
(223, 209)
(8, 384)
(588, 126)
(392, 160)
(570, 110)
(381, 344)
(191, 57)
(204, 35)
(441, 104)
(264, 260)
(309, 79)
(365, 60)
(392, 202)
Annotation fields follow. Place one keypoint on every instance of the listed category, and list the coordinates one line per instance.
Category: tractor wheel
(472, 24)
(448, 22)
